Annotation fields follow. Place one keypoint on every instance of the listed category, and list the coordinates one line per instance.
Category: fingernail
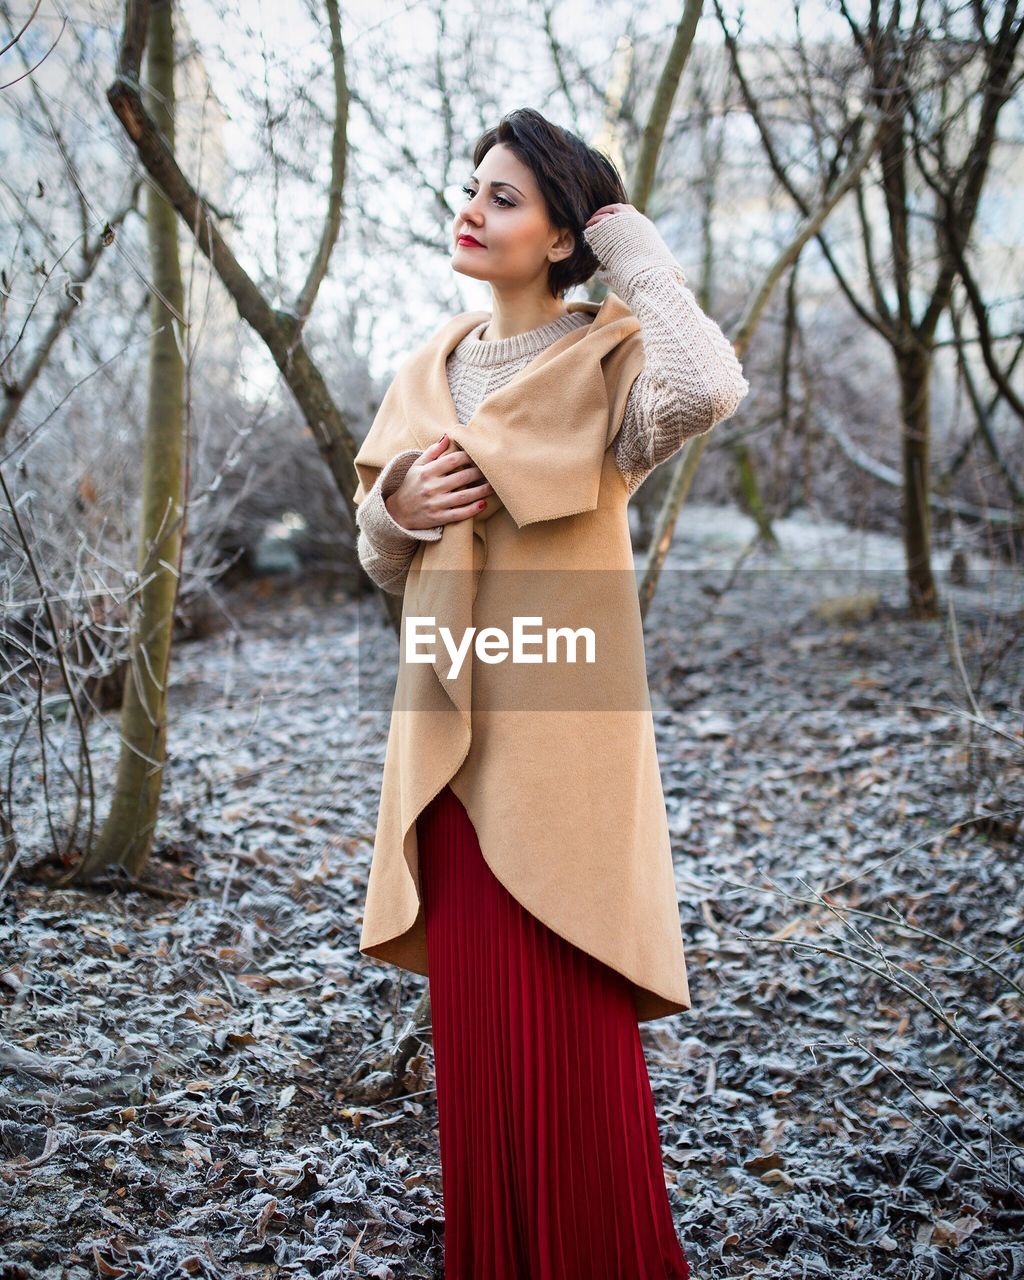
(444, 437)
(483, 503)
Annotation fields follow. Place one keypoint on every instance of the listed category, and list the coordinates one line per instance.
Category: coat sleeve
(386, 548)
(691, 379)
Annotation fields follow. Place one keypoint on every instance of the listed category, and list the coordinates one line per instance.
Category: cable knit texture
(691, 379)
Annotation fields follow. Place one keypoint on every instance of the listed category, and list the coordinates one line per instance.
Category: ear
(564, 247)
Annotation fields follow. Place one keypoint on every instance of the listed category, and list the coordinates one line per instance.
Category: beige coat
(555, 762)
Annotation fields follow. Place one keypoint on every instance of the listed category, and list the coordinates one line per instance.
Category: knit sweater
(691, 380)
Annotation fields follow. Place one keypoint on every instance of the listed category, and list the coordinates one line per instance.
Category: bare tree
(127, 835)
(281, 329)
(939, 130)
(691, 452)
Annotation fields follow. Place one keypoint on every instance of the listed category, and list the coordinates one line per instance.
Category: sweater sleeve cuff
(373, 517)
(626, 243)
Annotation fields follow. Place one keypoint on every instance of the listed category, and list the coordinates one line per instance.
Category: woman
(522, 858)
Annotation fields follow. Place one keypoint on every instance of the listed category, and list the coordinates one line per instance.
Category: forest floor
(843, 1099)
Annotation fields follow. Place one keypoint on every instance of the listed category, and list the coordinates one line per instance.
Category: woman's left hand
(607, 211)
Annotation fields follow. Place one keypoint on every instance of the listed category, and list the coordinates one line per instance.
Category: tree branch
(339, 156)
(16, 389)
(280, 331)
(661, 107)
(890, 476)
(878, 323)
(811, 227)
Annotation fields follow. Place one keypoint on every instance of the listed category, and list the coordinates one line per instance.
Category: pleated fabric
(550, 1150)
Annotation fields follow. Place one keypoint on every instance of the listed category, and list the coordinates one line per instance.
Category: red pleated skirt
(550, 1150)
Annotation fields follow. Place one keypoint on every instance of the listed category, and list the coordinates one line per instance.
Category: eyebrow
(474, 178)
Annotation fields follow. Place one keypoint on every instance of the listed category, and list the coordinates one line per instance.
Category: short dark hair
(574, 180)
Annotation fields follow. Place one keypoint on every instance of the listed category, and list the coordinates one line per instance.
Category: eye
(506, 203)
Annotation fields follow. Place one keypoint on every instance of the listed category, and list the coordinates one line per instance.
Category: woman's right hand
(432, 491)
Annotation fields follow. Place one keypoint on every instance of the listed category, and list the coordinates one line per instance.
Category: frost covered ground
(844, 1098)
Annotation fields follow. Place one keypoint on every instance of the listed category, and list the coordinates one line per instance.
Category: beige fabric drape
(555, 763)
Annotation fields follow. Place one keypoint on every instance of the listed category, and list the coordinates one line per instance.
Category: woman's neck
(511, 317)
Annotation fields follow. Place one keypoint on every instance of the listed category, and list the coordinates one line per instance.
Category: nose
(469, 209)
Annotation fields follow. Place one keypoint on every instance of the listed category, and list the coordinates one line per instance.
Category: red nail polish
(483, 503)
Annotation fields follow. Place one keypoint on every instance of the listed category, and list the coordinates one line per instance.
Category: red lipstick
(467, 239)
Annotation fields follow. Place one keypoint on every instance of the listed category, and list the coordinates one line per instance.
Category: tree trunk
(747, 489)
(127, 835)
(648, 501)
(914, 368)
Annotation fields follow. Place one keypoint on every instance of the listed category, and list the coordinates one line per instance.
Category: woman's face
(516, 242)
